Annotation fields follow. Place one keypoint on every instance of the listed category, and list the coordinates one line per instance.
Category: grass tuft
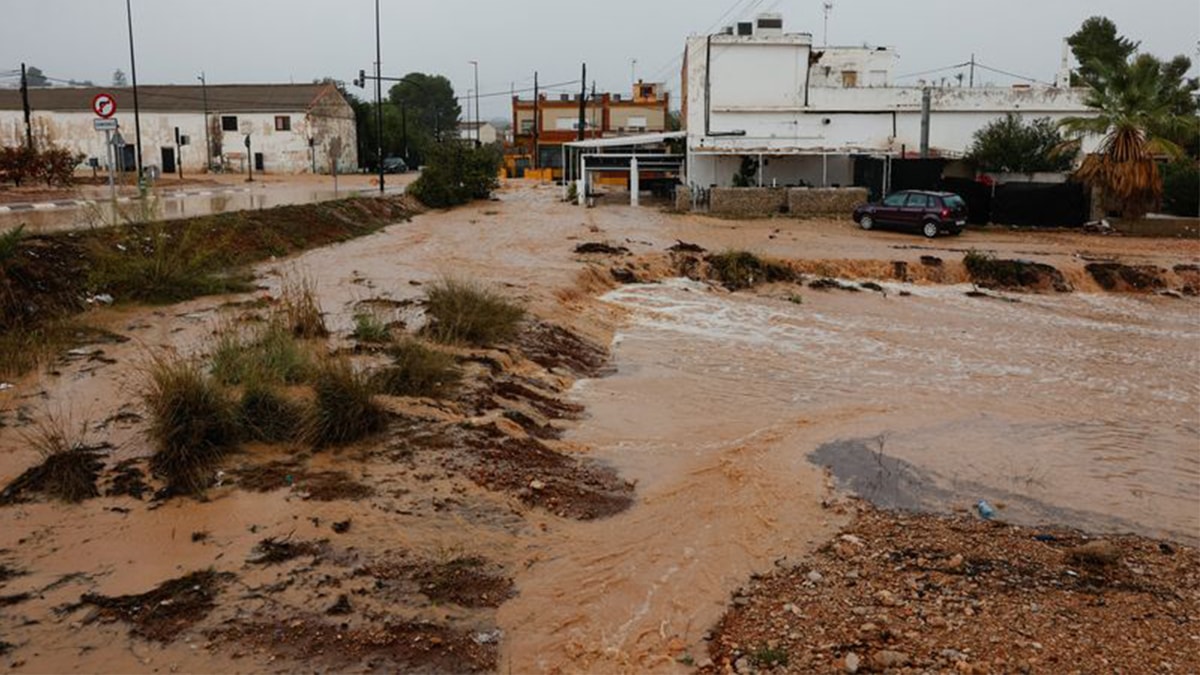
(265, 414)
(468, 312)
(270, 354)
(69, 468)
(368, 327)
(9, 241)
(193, 423)
(300, 309)
(345, 410)
(418, 370)
(738, 270)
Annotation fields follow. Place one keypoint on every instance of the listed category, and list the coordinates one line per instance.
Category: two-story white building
(803, 114)
(292, 128)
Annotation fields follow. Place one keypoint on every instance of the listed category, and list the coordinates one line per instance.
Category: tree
(428, 112)
(455, 173)
(35, 77)
(1098, 47)
(1144, 108)
(119, 79)
(1011, 145)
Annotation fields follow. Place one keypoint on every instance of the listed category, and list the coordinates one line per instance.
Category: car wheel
(866, 223)
(930, 229)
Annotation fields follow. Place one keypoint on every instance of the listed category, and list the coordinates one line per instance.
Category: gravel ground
(902, 593)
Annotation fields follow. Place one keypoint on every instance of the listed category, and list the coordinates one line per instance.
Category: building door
(258, 162)
(168, 161)
(127, 161)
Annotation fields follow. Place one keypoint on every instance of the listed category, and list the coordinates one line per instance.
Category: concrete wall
(283, 151)
(777, 170)
(683, 198)
(824, 202)
(747, 202)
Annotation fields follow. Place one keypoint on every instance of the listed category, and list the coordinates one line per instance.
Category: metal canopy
(627, 141)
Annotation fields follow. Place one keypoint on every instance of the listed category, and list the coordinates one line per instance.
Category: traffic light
(361, 80)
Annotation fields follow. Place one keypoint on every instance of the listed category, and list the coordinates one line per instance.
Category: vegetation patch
(168, 610)
(345, 410)
(270, 354)
(265, 414)
(272, 551)
(467, 312)
(418, 370)
(193, 423)
(368, 327)
(738, 270)
(990, 272)
(455, 174)
(68, 474)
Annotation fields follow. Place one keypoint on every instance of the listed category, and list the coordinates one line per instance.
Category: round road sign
(104, 105)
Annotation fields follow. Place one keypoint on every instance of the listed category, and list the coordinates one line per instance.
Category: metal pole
(25, 107)
(972, 71)
(926, 108)
(137, 118)
(378, 99)
(478, 137)
(112, 183)
(537, 122)
(207, 140)
(582, 104)
(249, 160)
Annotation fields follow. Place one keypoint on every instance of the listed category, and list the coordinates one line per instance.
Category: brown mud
(608, 506)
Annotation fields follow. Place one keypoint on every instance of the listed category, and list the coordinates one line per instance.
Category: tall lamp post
(137, 119)
(477, 137)
(207, 140)
(378, 99)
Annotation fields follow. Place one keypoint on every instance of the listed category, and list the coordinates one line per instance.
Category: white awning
(627, 141)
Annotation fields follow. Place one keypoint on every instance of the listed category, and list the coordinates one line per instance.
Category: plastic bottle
(985, 509)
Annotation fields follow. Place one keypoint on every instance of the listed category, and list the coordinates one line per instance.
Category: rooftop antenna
(828, 10)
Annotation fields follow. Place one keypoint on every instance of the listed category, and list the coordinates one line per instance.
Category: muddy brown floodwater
(1080, 409)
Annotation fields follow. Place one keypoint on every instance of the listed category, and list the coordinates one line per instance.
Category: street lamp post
(137, 119)
(207, 140)
(477, 136)
(378, 100)
(249, 161)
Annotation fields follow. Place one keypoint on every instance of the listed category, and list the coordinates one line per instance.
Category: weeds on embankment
(468, 312)
(738, 270)
(418, 370)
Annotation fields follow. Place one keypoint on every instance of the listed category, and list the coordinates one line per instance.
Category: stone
(885, 598)
(1099, 552)
(852, 662)
(815, 577)
(742, 665)
(937, 622)
(955, 562)
(890, 659)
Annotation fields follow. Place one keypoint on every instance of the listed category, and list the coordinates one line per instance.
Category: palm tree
(1141, 105)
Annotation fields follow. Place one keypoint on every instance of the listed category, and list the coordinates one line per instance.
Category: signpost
(105, 106)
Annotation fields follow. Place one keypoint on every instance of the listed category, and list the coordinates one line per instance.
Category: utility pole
(378, 100)
(137, 118)
(207, 140)
(477, 132)
(25, 106)
(537, 122)
(582, 104)
(926, 113)
(972, 71)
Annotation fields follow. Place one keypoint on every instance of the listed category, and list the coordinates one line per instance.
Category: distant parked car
(929, 213)
(395, 165)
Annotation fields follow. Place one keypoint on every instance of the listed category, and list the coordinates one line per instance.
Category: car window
(955, 202)
(896, 199)
(918, 201)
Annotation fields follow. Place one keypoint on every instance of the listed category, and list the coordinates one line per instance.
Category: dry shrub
(193, 423)
(468, 312)
(69, 468)
(418, 370)
(300, 310)
(345, 410)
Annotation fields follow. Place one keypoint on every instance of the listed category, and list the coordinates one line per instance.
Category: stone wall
(683, 198)
(824, 202)
(747, 202)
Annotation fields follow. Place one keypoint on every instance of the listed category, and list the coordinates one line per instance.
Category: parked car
(395, 165)
(929, 213)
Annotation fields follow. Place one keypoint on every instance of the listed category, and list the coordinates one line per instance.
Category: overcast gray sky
(299, 40)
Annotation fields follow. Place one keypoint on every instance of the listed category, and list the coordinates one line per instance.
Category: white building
(805, 114)
(293, 128)
(486, 136)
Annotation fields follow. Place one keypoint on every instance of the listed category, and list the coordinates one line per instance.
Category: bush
(300, 309)
(370, 328)
(467, 312)
(345, 410)
(417, 370)
(192, 422)
(1010, 144)
(1181, 188)
(18, 165)
(737, 270)
(272, 355)
(56, 166)
(456, 173)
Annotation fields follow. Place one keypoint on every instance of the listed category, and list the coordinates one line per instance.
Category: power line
(1012, 75)
(935, 70)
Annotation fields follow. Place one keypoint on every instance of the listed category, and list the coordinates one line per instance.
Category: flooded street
(1080, 409)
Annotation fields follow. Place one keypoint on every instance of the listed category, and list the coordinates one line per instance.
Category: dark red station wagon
(926, 212)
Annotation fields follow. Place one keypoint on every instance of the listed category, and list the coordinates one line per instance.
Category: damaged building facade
(763, 107)
(293, 128)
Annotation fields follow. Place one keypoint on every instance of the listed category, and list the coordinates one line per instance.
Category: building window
(526, 126)
(637, 123)
(566, 124)
(647, 91)
(283, 123)
(849, 79)
(229, 123)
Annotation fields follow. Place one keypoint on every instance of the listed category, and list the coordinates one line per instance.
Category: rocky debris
(1113, 276)
(468, 581)
(681, 246)
(165, 612)
(990, 272)
(271, 551)
(827, 284)
(931, 261)
(552, 346)
(599, 248)
(624, 275)
(905, 593)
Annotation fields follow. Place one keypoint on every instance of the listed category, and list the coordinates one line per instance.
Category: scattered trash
(342, 527)
(1045, 538)
(5, 386)
(101, 299)
(985, 510)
